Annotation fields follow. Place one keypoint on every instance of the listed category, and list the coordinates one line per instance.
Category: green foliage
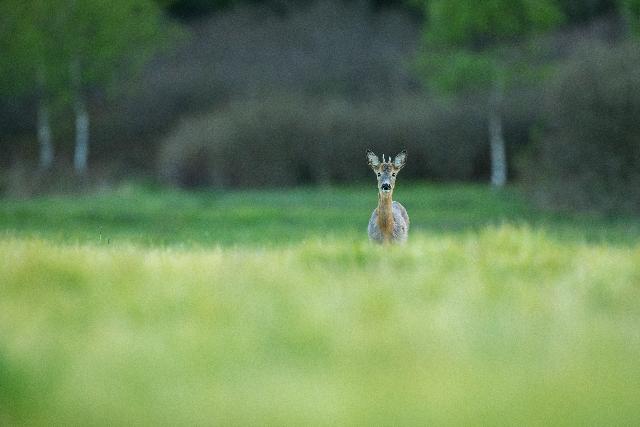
(475, 25)
(29, 42)
(631, 11)
(503, 326)
(463, 39)
(102, 34)
(41, 40)
(462, 71)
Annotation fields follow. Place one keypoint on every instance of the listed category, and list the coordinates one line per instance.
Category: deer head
(387, 170)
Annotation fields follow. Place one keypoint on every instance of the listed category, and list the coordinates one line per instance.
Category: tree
(464, 50)
(61, 49)
(29, 66)
(98, 39)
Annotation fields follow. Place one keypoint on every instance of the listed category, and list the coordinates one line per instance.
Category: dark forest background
(228, 94)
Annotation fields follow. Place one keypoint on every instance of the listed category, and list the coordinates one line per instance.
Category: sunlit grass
(254, 308)
(502, 326)
(284, 216)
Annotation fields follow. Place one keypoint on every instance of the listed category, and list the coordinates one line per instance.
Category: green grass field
(253, 308)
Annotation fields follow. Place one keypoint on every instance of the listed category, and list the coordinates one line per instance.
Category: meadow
(155, 307)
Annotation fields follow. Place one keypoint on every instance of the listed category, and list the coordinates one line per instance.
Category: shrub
(315, 48)
(288, 141)
(587, 154)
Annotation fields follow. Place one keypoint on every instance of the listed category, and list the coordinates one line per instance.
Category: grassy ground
(258, 308)
(286, 216)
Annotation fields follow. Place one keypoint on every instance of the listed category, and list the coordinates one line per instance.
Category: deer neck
(385, 215)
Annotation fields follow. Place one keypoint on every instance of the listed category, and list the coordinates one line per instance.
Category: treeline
(268, 93)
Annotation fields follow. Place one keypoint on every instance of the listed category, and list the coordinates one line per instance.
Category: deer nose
(385, 186)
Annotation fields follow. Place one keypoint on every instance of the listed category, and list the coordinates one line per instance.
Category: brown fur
(385, 216)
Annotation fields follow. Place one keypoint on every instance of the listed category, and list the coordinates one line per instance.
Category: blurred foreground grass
(506, 326)
(256, 308)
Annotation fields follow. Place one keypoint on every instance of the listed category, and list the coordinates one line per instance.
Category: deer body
(389, 222)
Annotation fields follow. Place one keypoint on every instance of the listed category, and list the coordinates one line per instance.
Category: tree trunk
(44, 135)
(81, 153)
(496, 138)
(44, 124)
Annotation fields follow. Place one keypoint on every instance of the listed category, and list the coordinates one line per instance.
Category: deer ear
(400, 159)
(372, 159)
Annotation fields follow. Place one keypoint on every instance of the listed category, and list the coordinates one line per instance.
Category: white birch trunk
(81, 152)
(44, 124)
(44, 135)
(496, 138)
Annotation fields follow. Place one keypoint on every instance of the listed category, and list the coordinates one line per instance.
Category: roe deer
(389, 222)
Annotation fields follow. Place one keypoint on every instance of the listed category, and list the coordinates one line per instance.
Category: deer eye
(393, 174)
